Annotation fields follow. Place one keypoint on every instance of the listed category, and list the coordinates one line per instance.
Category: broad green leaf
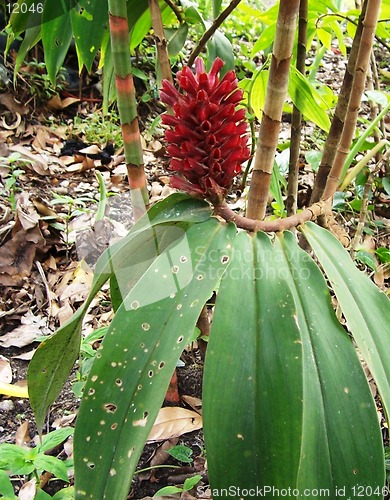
(365, 307)
(220, 46)
(6, 488)
(89, 30)
(53, 360)
(24, 16)
(307, 99)
(31, 38)
(177, 41)
(56, 38)
(65, 494)
(258, 91)
(132, 370)
(281, 367)
(216, 8)
(52, 464)
(55, 438)
(265, 40)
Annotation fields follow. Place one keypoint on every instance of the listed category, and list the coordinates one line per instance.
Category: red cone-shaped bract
(208, 136)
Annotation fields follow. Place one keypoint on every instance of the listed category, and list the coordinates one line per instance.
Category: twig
(175, 10)
(210, 32)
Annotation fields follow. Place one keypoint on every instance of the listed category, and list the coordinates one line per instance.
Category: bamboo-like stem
(161, 42)
(272, 114)
(210, 32)
(127, 106)
(362, 63)
(296, 120)
(340, 112)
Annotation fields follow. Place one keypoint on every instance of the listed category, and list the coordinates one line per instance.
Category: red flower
(208, 136)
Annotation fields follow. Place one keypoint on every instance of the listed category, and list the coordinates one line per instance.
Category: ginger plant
(282, 377)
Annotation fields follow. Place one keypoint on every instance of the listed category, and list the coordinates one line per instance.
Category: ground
(43, 278)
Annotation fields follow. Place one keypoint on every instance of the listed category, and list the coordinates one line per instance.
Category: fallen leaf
(173, 421)
(195, 403)
(31, 327)
(28, 490)
(22, 435)
(8, 100)
(161, 455)
(5, 370)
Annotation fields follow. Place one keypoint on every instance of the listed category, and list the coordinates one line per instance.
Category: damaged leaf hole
(224, 259)
(183, 259)
(118, 382)
(134, 305)
(145, 326)
(175, 269)
(180, 339)
(110, 407)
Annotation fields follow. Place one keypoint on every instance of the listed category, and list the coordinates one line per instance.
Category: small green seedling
(181, 453)
(14, 163)
(16, 460)
(189, 483)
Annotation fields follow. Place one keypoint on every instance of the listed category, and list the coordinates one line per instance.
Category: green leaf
(181, 453)
(306, 418)
(52, 464)
(177, 41)
(53, 360)
(190, 482)
(220, 46)
(216, 8)
(89, 31)
(367, 259)
(365, 307)
(6, 488)
(55, 438)
(308, 100)
(167, 490)
(258, 91)
(65, 494)
(56, 38)
(132, 370)
(383, 254)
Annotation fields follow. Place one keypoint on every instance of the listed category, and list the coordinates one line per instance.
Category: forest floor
(49, 242)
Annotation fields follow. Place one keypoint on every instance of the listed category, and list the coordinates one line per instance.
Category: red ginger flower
(208, 136)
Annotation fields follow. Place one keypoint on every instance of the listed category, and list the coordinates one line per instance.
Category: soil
(33, 293)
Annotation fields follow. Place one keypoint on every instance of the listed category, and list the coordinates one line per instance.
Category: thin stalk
(359, 80)
(127, 106)
(361, 164)
(210, 32)
(161, 42)
(362, 219)
(358, 145)
(296, 120)
(340, 112)
(273, 107)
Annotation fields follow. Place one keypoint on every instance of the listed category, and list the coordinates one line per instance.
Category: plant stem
(340, 112)
(359, 80)
(127, 106)
(210, 32)
(311, 213)
(161, 42)
(296, 120)
(274, 102)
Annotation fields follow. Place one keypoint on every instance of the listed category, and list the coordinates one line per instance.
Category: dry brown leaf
(39, 165)
(8, 100)
(173, 421)
(28, 490)
(5, 370)
(22, 435)
(31, 327)
(161, 455)
(63, 421)
(56, 103)
(195, 403)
